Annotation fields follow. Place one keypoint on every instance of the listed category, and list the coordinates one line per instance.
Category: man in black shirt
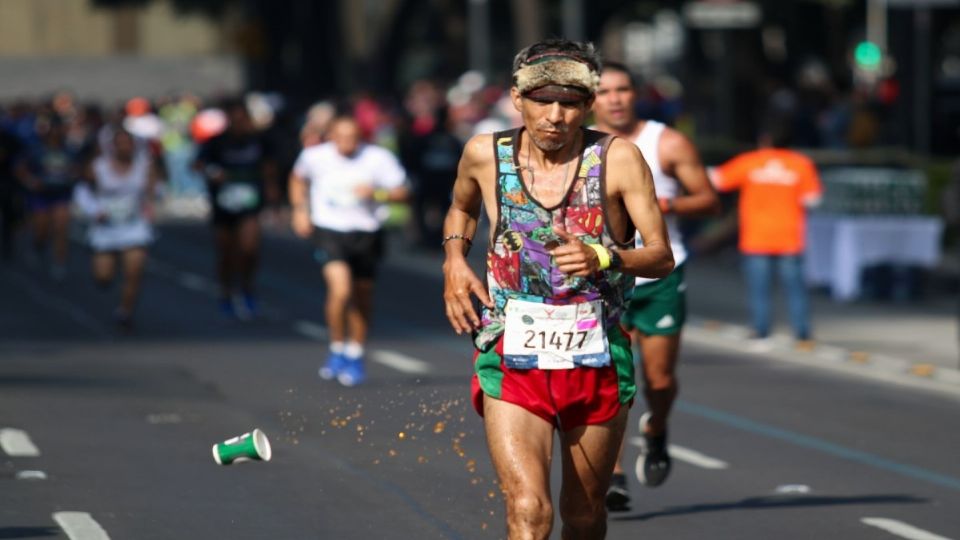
(241, 175)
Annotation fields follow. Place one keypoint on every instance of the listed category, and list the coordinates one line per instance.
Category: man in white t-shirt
(656, 310)
(339, 191)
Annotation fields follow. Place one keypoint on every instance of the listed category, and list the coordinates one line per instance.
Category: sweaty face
(345, 135)
(552, 125)
(614, 105)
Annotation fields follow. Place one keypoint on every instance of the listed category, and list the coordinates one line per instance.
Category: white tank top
(648, 141)
(120, 196)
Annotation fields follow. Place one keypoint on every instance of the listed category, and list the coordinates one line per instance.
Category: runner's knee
(657, 380)
(529, 511)
(583, 516)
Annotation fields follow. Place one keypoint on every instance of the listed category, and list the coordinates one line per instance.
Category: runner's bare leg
(521, 447)
(589, 454)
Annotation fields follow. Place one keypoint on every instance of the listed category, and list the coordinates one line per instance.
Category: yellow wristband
(603, 254)
(381, 195)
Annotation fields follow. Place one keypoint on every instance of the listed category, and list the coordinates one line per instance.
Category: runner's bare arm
(297, 188)
(459, 280)
(630, 178)
(682, 161)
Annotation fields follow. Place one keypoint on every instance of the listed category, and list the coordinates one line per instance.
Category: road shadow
(28, 532)
(139, 380)
(773, 501)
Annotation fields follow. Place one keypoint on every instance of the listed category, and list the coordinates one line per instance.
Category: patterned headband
(556, 69)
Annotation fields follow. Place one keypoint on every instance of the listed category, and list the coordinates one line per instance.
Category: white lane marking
(80, 526)
(391, 359)
(311, 330)
(193, 282)
(901, 529)
(789, 489)
(17, 443)
(30, 475)
(400, 362)
(164, 418)
(687, 455)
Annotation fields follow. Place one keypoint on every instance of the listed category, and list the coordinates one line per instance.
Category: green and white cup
(250, 446)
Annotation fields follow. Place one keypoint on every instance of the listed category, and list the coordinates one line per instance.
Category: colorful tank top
(518, 262)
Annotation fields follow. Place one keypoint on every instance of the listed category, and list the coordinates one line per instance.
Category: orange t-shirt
(773, 184)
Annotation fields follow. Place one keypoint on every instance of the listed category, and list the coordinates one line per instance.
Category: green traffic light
(868, 55)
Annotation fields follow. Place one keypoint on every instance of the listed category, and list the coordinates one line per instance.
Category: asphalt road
(109, 435)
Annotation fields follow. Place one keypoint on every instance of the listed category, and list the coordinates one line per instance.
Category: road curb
(829, 356)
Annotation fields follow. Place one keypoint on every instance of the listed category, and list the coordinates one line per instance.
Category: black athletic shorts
(360, 250)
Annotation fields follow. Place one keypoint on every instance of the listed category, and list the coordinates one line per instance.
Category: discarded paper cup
(249, 446)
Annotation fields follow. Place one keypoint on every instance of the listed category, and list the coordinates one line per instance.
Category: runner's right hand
(300, 222)
(459, 282)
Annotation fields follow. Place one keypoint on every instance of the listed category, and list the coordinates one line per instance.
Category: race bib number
(554, 337)
(342, 193)
(237, 197)
(120, 210)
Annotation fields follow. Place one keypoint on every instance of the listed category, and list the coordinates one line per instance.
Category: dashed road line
(391, 359)
(901, 529)
(194, 282)
(17, 443)
(400, 362)
(688, 455)
(80, 526)
(30, 475)
(311, 330)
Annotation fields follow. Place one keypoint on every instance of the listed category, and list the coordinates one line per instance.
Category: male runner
(49, 173)
(118, 199)
(241, 172)
(657, 308)
(564, 202)
(349, 184)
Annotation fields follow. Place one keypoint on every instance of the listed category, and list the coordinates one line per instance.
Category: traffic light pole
(877, 24)
(922, 95)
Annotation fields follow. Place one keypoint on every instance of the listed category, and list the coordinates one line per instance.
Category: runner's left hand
(573, 257)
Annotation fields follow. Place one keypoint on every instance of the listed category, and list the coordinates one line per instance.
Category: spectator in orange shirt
(776, 186)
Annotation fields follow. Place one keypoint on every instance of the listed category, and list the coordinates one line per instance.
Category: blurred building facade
(715, 67)
(110, 54)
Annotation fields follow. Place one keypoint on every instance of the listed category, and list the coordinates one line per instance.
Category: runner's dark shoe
(653, 465)
(618, 496)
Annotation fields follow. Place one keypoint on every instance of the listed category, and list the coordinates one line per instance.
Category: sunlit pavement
(110, 435)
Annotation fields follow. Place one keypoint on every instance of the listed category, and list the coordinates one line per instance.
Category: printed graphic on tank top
(553, 321)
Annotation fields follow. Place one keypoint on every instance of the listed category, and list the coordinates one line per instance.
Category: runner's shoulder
(478, 151)
(675, 146)
(623, 153)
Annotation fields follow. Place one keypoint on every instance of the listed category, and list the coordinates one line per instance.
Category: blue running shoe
(333, 366)
(226, 308)
(248, 307)
(353, 372)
